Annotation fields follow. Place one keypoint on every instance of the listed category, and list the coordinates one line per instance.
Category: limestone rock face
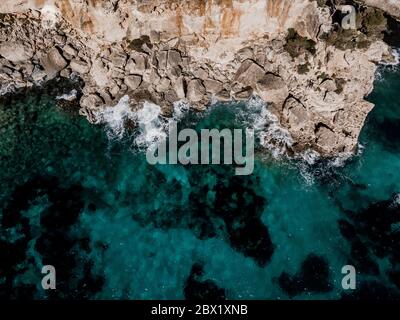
(165, 51)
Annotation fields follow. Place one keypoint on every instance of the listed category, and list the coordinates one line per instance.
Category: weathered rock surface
(272, 89)
(392, 7)
(53, 62)
(196, 51)
(16, 51)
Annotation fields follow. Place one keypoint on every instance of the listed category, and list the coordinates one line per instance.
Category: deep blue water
(115, 227)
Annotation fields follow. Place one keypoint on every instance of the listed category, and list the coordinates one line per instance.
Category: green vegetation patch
(296, 45)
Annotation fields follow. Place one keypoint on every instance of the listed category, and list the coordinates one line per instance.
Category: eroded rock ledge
(292, 54)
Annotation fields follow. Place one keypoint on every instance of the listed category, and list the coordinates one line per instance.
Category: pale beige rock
(133, 81)
(326, 139)
(91, 101)
(213, 86)
(69, 50)
(245, 94)
(174, 58)
(390, 6)
(16, 51)
(38, 74)
(99, 73)
(296, 115)
(179, 88)
(195, 90)
(249, 73)
(223, 95)
(79, 66)
(53, 62)
(162, 59)
(163, 85)
(272, 88)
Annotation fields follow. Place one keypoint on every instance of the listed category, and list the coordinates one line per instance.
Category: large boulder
(99, 73)
(90, 101)
(296, 115)
(213, 86)
(136, 64)
(272, 88)
(195, 90)
(16, 51)
(174, 58)
(133, 81)
(179, 88)
(249, 73)
(79, 66)
(326, 139)
(53, 62)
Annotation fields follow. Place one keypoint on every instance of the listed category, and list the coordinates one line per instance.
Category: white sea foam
(68, 96)
(50, 16)
(7, 88)
(309, 156)
(396, 200)
(266, 127)
(152, 126)
(115, 117)
(396, 55)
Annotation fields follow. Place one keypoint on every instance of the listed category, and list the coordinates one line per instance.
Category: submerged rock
(197, 289)
(314, 277)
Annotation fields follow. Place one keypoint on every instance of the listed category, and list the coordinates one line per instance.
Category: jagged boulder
(174, 58)
(296, 115)
(195, 90)
(249, 73)
(136, 64)
(16, 51)
(53, 62)
(91, 101)
(163, 85)
(179, 88)
(79, 66)
(272, 88)
(213, 86)
(133, 81)
(326, 138)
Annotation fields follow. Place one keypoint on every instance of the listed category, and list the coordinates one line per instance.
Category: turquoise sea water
(115, 227)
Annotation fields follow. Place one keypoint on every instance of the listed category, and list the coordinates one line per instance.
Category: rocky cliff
(292, 54)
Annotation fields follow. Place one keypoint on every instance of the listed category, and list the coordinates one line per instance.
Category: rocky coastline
(294, 55)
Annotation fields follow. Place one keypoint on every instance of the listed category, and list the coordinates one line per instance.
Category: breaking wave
(151, 125)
